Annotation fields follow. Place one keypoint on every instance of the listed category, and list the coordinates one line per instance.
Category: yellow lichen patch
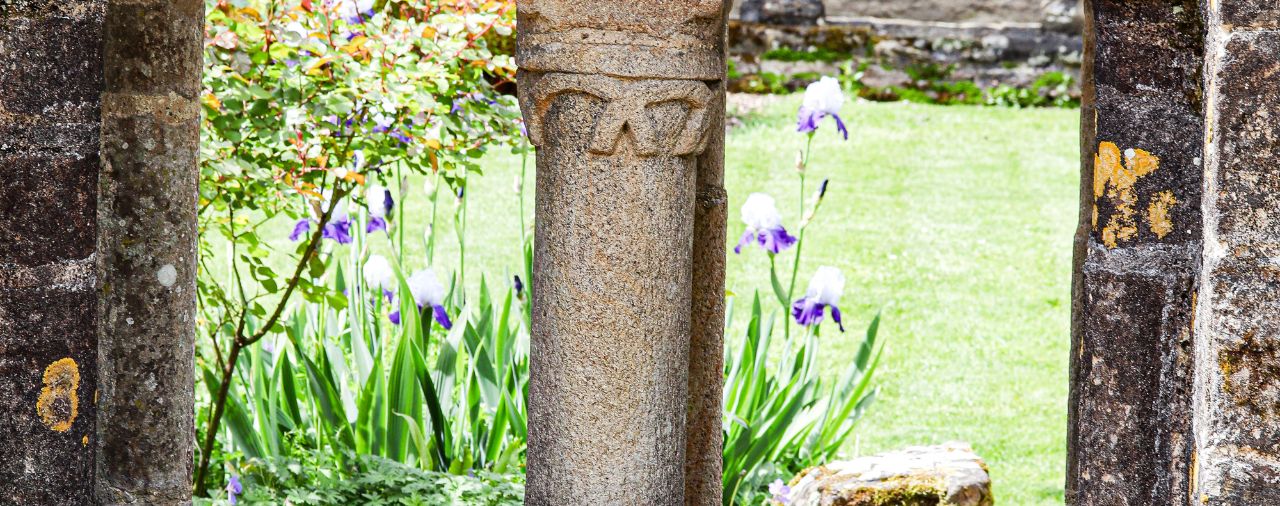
(1158, 213)
(58, 404)
(84, 441)
(1114, 175)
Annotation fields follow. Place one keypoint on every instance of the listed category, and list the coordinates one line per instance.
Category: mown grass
(956, 222)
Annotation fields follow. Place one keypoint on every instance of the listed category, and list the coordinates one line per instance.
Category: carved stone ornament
(627, 111)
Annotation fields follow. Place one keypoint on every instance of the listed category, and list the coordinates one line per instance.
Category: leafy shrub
(309, 107)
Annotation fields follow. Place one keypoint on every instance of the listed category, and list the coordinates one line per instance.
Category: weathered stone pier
(1176, 345)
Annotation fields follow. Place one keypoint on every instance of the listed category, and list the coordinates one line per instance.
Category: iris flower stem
(524, 165)
(460, 289)
(795, 265)
(435, 204)
(400, 180)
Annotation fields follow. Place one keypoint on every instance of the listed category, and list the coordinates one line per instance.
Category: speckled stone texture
(1137, 254)
(949, 474)
(147, 250)
(1237, 420)
(1176, 352)
(50, 79)
(625, 102)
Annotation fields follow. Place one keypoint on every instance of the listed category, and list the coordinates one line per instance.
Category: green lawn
(955, 221)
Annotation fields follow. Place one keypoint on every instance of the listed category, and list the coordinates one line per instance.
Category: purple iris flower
(380, 206)
(821, 99)
(233, 489)
(382, 123)
(429, 293)
(764, 225)
(338, 230)
(825, 289)
(379, 274)
(300, 229)
(519, 286)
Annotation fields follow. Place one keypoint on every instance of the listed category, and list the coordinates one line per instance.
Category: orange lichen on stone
(1158, 213)
(58, 404)
(84, 441)
(1114, 177)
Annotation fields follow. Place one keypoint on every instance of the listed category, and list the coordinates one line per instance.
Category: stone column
(1137, 254)
(50, 82)
(147, 250)
(1237, 319)
(705, 439)
(621, 99)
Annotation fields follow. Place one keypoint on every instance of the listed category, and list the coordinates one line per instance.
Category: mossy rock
(945, 475)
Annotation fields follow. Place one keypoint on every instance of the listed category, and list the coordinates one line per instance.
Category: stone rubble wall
(1010, 42)
(954, 11)
(988, 55)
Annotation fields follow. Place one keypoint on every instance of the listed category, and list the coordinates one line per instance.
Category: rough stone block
(1132, 381)
(48, 61)
(1246, 111)
(1147, 48)
(47, 359)
(950, 474)
(1250, 13)
(49, 208)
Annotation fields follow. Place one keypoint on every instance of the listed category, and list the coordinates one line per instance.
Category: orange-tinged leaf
(212, 101)
(355, 177)
(315, 65)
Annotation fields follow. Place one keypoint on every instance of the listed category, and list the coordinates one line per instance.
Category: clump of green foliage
(313, 113)
(819, 54)
(371, 480)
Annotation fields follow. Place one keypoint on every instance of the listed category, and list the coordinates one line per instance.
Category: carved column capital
(627, 111)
